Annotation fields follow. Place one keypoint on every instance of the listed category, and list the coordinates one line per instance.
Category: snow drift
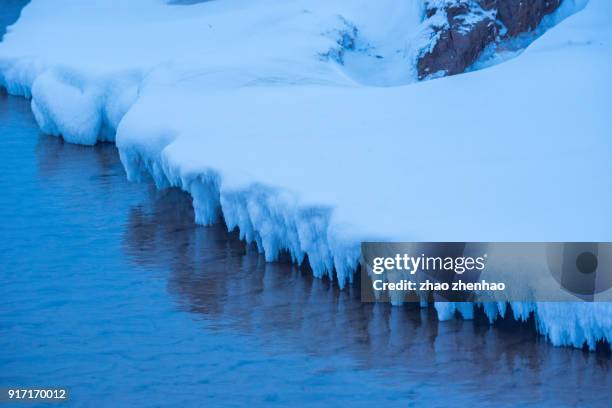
(264, 111)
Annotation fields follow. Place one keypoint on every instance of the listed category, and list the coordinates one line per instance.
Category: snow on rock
(239, 103)
(459, 34)
(459, 31)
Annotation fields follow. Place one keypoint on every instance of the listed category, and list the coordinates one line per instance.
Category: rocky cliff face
(461, 29)
(519, 16)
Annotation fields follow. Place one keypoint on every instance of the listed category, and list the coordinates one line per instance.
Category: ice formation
(265, 112)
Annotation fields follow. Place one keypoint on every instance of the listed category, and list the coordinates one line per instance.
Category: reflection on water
(109, 287)
(213, 274)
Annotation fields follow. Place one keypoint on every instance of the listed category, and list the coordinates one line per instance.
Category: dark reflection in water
(213, 274)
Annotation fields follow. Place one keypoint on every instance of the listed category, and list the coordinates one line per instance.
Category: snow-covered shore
(244, 105)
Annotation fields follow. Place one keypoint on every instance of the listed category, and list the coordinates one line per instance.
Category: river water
(110, 289)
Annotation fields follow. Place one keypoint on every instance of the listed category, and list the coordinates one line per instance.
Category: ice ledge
(275, 221)
(271, 217)
(85, 108)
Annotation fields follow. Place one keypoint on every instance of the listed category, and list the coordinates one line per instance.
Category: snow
(241, 104)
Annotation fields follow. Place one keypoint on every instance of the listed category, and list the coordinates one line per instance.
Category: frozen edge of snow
(85, 110)
(275, 222)
(267, 216)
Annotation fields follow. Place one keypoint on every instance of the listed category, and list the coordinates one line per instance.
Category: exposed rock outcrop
(519, 16)
(460, 30)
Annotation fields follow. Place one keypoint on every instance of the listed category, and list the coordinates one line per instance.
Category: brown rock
(458, 45)
(520, 16)
(474, 24)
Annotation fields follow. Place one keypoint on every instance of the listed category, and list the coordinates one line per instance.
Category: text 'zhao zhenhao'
(486, 271)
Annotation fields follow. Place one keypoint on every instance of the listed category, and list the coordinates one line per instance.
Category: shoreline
(172, 125)
(493, 312)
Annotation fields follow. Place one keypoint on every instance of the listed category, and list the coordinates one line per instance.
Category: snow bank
(244, 104)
